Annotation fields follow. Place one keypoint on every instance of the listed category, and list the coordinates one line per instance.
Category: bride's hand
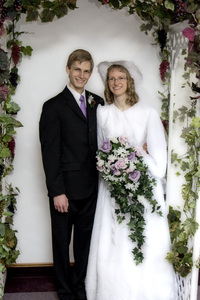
(145, 148)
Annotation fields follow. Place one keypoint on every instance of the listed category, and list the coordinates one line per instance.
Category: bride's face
(117, 82)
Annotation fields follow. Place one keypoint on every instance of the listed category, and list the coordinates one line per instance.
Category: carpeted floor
(31, 296)
(30, 283)
(33, 284)
(29, 279)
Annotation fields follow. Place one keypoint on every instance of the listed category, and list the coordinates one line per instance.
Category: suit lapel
(73, 104)
(91, 111)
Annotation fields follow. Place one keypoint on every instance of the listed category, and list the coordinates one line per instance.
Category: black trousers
(80, 218)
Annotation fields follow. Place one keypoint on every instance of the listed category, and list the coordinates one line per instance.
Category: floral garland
(130, 184)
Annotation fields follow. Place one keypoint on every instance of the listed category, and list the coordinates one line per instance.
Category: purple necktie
(82, 106)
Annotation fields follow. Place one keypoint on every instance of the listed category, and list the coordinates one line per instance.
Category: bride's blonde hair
(132, 96)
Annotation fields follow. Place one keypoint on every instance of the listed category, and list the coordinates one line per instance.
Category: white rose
(114, 140)
(100, 163)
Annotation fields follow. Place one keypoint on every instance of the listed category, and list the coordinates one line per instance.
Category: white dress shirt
(77, 95)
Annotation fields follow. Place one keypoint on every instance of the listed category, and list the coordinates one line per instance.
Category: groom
(69, 143)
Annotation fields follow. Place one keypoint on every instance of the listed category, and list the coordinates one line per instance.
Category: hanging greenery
(157, 17)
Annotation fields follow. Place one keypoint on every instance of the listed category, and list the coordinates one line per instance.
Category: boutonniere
(91, 101)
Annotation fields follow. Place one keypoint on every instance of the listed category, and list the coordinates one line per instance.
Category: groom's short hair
(81, 56)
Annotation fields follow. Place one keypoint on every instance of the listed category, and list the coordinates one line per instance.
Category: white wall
(108, 35)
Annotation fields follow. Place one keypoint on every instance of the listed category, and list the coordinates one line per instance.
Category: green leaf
(27, 3)
(2, 230)
(182, 249)
(115, 3)
(6, 138)
(192, 6)
(48, 4)
(190, 226)
(7, 120)
(175, 158)
(197, 174)
(169, 5)
(195, 122)
(8, 214)
(146, 27)
(12, 107)
(175, 115)
(125, 2)
(9, 3)
(26, 50)
(47, 15)
(160, 12)
(31, 14)
(3, 60)
(173, 215)
(183, 237)
(12, 13)
(61, 10)
(184, 270)
(5, 152)
(172, 257)
(184, 165)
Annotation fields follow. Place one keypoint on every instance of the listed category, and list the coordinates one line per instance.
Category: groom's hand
(61, 203)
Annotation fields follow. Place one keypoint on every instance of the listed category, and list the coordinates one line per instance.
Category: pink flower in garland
(11, 147)
(16, 53)
(4, 90)
(189, 33)
(165, 124)
(2, 30)
(105, 1)
(164, 66)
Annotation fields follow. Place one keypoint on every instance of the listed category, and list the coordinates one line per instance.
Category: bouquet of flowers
(129, 181)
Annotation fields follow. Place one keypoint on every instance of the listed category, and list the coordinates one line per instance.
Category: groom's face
(79, 73)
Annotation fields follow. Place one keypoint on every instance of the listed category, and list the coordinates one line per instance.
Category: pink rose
(138, 151)
(123, 140)
(120, 164)
(189, 33)
(117, 173)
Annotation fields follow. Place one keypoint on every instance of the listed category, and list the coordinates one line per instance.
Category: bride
(112, 272)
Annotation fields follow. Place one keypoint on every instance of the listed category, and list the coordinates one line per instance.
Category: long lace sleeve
(156, 159)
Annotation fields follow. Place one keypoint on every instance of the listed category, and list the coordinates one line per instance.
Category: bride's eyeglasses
(119, 79)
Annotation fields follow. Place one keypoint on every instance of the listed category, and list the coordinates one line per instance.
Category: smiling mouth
(80, 80)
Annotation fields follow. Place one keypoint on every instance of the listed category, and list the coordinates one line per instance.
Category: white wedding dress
(112, 273)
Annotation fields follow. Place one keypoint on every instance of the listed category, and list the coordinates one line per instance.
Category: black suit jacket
(69, 145)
